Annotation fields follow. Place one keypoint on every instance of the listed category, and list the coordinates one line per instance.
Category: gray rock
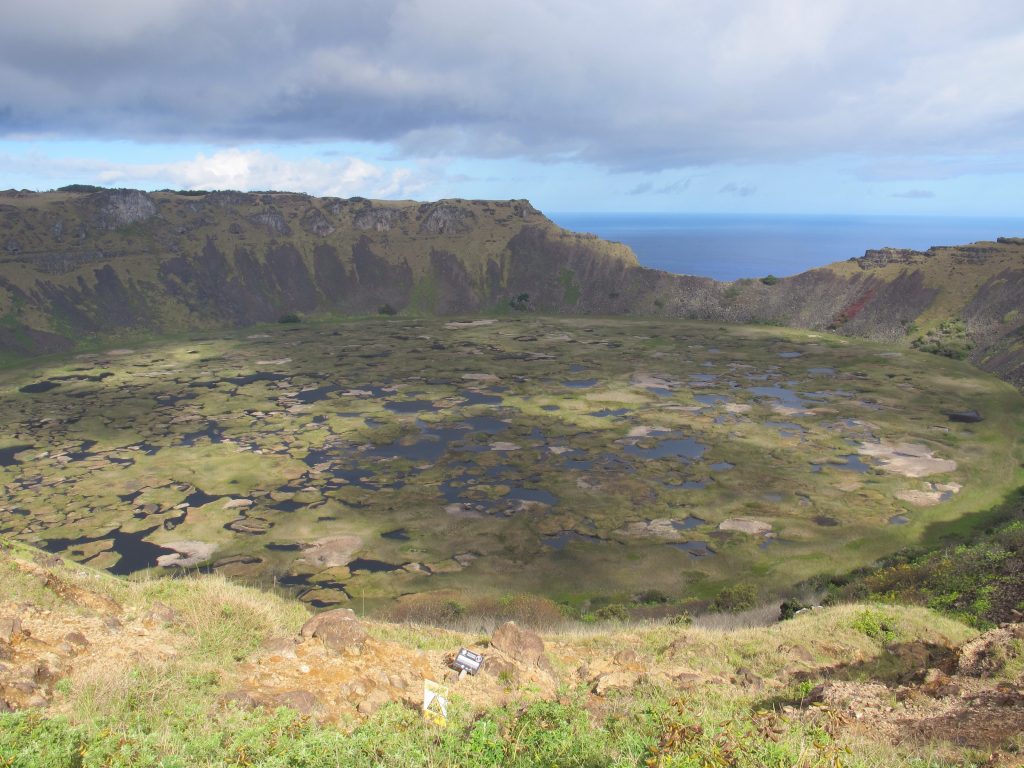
(270, 219)
(444, 218)
(314, 222)
(118, 208)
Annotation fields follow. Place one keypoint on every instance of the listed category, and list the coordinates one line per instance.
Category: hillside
(103, 671)
(76, 265)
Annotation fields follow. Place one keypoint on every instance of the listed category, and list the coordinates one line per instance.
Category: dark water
(728, 247)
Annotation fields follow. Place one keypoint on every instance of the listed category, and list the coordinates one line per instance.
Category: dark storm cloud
(641, 85)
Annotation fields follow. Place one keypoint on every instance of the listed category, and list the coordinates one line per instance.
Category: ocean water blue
(729, 246)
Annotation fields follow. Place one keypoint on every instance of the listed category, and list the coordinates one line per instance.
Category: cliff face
(74, 265)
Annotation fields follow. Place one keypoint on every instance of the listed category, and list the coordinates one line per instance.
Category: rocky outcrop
(116, 208)
(520, 644)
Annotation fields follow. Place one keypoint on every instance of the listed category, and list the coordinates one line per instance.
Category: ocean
(728, 247)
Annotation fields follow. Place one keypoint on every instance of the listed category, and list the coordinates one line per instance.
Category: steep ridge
(76, 265)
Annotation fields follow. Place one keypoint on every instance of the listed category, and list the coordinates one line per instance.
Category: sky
(693, 106)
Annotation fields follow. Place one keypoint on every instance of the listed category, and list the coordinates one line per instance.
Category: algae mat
(576, 458)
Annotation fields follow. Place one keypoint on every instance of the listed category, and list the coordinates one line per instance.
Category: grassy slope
(164, 710)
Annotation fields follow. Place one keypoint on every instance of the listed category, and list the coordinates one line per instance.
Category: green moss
(570, 288)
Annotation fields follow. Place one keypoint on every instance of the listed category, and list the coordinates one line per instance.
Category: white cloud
(234, 168)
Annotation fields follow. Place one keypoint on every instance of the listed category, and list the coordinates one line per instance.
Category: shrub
(387, 309)
(875, 624)
(651, 597)
(612, 612)
(290, 317)
(520, 303)
(791, 608)
(735, 598)
(769, 279)
(950, 339)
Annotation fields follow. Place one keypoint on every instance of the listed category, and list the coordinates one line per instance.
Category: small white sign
(435, 702)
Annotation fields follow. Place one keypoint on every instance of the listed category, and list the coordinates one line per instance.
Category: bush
(769, 279)
(520, 303)
(950, 339)
(652, 597)
(612, 612)
(736, 598)
(791, 608)
(387, 309)
(80, 188)
(875, 624)
(290, 317)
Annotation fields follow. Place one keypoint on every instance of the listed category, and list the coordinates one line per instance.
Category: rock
(339, 629)
(746, 677)
(10, 629)
(314, 222)
(162, 614)
(987, 654)
(241, 698)
(332, 551)
(629, 660)
(76, 638)
(520, 644)
(614, 681)
(122, 207)
(186, 554)
(443, 218)
(373, 702)
(495, 666)
(688, 679)
(254, 526)
(303, 702)
(379, 219)
(238, 504)
(271, 220)
(745, 525)
(280, 646)
(965, 417)
(938, 684)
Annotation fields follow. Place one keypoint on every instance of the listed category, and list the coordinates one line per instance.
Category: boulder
(10, 629)
(338, 630)
(938, 684)
(162, 614)
(280, 646)
(76, 638)
(629, 660)
(499, 668)
(614, 681)
(520, 644)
